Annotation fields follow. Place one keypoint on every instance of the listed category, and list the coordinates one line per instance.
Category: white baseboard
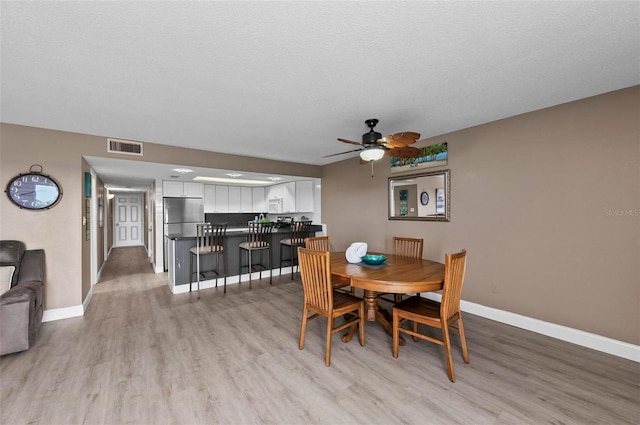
(68, 312)
(63, 313)
(564, 333)
(231, 280)
(87, 300)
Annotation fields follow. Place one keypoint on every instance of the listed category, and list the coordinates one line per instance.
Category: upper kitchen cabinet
(275, 191)
(289, 197)
(222, 199)
(246, 199)
(171, 189)
(258, 201)
(234, 199)
(209, 198)
(304, 196)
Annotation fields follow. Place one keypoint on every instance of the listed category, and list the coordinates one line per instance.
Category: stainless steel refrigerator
(180, 218)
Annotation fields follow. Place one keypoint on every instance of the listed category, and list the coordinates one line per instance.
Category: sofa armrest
(18, 294)
(32, 266)
(17, 311)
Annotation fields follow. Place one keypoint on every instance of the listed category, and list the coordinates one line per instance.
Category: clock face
(34, 191)
(424, 198)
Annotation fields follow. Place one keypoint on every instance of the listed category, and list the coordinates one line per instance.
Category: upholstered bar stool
(258, 240)
(299, 231)
(210, 240)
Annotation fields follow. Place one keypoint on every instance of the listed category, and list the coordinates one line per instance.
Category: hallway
(123, 262)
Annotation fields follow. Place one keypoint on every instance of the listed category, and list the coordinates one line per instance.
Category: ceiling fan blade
(350, 142)
(342, 153)
(404, 152)
(399, 140)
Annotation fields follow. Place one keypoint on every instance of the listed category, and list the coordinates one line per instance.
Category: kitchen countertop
(239, 231)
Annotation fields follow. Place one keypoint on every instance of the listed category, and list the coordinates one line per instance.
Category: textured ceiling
(283, 80)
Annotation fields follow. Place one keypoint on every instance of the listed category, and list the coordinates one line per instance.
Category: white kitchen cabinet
(275, 192)
(246, 199)
(234, 199)
(258, 201)
(289, 197)
(209, 198)
(304, 196)
(222, 199)
(193, 189)
(171, 189)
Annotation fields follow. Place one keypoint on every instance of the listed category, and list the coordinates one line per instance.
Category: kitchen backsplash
(244, 218)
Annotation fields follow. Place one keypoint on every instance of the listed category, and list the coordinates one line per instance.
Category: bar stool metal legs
(210, 240)
(258, 240)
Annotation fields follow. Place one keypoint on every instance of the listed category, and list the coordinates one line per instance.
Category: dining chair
(317, 243)
(322, 300)
(322, 243)
(442, 315)
(299, 231)
(258, 240)
(407, 247)
(210, 240)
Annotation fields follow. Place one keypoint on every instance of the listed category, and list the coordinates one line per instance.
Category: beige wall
(534, 201)
(59, 231)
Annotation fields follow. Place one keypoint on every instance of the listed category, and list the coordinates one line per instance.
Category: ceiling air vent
(124, 146)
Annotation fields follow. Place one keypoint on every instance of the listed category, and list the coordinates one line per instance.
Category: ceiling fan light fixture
(372, 153)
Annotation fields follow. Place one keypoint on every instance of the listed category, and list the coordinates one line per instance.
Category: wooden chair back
(318, 243)
(408, 247)
(315, 273)
(322, 243)
(455, 266)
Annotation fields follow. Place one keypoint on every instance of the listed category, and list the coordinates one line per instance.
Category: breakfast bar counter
(178, 257)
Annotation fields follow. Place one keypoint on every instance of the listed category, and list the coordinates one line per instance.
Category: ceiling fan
(374, 146)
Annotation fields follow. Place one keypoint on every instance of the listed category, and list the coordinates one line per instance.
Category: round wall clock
(34, 190)
(424, 198)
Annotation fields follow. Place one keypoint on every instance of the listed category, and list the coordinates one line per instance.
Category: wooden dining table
(397, 275)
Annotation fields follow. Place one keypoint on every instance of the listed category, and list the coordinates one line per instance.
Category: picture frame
(87, 184)
(434, 155)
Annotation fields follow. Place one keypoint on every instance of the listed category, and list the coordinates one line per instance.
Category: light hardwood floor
(141, 355)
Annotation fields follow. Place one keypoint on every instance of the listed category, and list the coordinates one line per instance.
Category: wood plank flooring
(142, 355)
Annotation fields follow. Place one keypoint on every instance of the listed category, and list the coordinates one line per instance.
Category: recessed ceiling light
(182, 170)
(275, 179)
(233, 175)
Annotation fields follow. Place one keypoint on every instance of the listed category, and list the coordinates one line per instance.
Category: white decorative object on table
(355, 252)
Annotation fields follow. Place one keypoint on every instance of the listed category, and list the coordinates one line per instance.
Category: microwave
(275, 206)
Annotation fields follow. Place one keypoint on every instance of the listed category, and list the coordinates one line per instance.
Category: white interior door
(128, 220)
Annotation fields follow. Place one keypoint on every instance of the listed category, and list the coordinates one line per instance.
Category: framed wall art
(430, 156)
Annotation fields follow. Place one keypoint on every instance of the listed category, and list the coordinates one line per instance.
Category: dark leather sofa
(21, 307)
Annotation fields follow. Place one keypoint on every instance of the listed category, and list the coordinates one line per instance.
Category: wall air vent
(124, 146)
